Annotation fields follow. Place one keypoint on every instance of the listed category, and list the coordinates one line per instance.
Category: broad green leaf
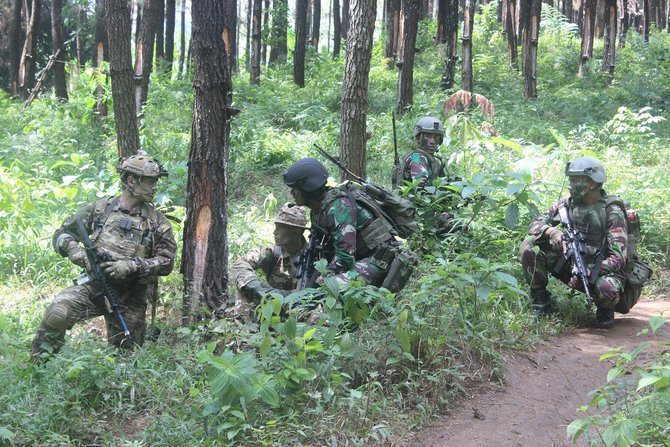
(577, 428)
(507, 278)
(646, 381)
(614, 373)
(512, 215)
(266, 345)
(656, 322)
(290, 327)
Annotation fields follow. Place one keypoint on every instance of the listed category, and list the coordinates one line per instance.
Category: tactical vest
(122, 234)
(591, 221)
(435, 163)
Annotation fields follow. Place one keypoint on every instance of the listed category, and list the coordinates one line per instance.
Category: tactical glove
(77, 255)
(555, 238)
(119, 269)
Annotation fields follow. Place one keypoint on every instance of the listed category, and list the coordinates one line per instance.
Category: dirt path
(544, 388)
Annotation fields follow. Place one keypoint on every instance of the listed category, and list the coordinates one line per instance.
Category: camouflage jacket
(142, 233)
(273, 261)
(419, 164)
(604, 227)
(342, 220)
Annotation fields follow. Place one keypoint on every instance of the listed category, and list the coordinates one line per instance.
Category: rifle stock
(110, 295)
(576, 248)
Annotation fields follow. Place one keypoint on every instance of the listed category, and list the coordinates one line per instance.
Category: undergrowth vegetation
(384, 363)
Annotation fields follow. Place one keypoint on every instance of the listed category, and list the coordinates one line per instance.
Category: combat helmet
(429, 124)
(140, 165)
(307, 174)
(292, 215)
(587, 166)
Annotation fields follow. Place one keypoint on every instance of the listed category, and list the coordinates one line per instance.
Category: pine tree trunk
(230, 33)
(300, 42)
(468, 24)
(345, 18)
(27, 66)
(138, 19)
(451, 46)
(144, 54)
(355, 86)
(160, 31)
(247, 47)
(405, 97)
(646, 14)
(182, 38)
(100, 53)
(121, 72)
(441, 34)
(170, 10)
(510, 14)
(205, 249)
(266, 28)
(587, 34)
(60, 84)
(278, 50)
(392, 18)
(14, 39)
(316, 24)
(530, 48)
(609, 55)
(624, 19)
(255, 72)
(337, 29)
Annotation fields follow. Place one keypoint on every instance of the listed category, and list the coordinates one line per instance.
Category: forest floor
(545, 387)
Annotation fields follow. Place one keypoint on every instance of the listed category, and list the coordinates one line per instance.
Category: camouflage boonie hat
(292, 215)
(141, 165)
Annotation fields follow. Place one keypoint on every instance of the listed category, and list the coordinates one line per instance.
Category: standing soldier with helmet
(601, 222)
(137, 244)
(277, 262)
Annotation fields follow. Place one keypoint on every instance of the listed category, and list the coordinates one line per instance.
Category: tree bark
(205, 249)
(27, 66)
(587, 34)
(441, 34)
(170, 10)
(405, 97)
(300, 42)
(255, 72)
(230, 33)
(468, 24)
(392, 27)
(100, 54)
(510, 14)
(14, 39)
(265, 33)
(609, 56)
(160, 31)
(144, 54)
(316, 24)
(337, 29)
(138, 19)
(532, 33)
(646, 14)
(451, 46)
(182, 38)
(355, 86)
(345, 18)
(624, 18)
(57, 43)
(247, 47)
(278, 50)
(121, 72)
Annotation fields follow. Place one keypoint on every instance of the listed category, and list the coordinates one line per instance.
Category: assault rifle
(110, 297)
(306, 271)
(576, 250)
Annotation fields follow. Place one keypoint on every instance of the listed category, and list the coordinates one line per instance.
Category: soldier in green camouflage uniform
(423, 162)
(601, 223)
(360, 242)
(276, 262)
(138, 241)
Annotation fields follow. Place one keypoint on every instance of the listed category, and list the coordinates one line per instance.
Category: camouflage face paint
(578, 188)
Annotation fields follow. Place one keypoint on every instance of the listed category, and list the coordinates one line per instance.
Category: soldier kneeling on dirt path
(277, 262)
(601, 223)
(136, 245)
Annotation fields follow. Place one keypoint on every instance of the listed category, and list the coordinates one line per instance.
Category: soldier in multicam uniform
(360, 242)
(277, 262)
(138, 241)
(603, 225)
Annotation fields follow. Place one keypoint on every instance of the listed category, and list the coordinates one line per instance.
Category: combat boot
(604, 318)
(541, 301)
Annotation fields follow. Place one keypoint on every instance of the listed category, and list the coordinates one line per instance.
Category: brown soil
(544, 387)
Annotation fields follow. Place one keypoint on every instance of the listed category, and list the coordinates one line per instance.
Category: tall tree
(100, 53)
(137, 4)
(144, 53)
(266, 32)
(15, 46)
(182, 38)
(624, 19)
(121, 71)
(355, 86)
(468, 24)
(588, 27)
(160, 30)
(247, 48)
(337, 29)
(611, 18)
(451, 46)
(405, 94)
(316, 24)
(510, 16)
(392, 27)
(170, 10)
(300, 42)
(27, 66)
(441, 35)
(530, 35)
(345, 18)
(58, 46)
(279, 50)
(230, 33)
(205, 249)
(255, 72)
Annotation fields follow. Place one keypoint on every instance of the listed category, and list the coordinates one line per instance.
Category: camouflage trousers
(538, 264)
(366, 270)
(74, 305)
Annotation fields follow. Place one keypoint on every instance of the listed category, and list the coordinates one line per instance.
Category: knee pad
(57, 317)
